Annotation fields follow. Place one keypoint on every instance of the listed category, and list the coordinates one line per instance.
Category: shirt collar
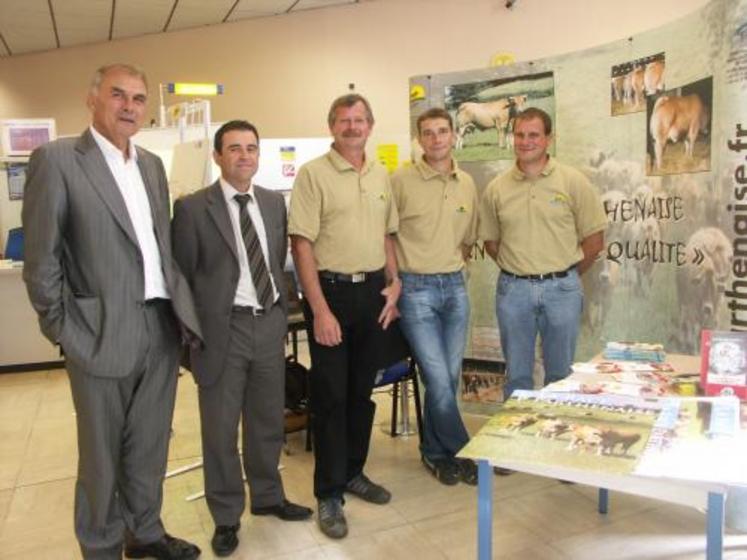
(427, 172)
(341, 164)
(229, 192)
(519, 175)
(109, 149)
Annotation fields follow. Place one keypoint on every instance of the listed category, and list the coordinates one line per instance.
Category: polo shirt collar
(427, 172)
(341, 164)
(519, 175)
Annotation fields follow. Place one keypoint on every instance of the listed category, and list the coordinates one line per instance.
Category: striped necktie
(257, 264)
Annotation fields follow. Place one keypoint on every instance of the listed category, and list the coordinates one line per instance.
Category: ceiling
(38, 25)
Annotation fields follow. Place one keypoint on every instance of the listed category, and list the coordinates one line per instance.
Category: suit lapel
(218, 210)
(94, 165)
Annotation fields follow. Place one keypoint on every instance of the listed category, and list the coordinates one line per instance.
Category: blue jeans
(549, 307)
(435, 315)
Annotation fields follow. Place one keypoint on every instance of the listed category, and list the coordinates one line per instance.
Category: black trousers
(342, 379)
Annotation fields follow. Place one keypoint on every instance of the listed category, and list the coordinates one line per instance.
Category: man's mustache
(352, 134)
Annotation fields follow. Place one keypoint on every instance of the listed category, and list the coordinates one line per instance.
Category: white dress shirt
(246, 293)
(130, 182)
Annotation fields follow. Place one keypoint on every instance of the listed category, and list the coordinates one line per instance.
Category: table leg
(485, 510)
(715, 526)
(604, 500)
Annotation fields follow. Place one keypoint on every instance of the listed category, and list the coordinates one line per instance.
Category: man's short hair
(130, 69)
(348, 100)
(535, 113)
(435, 113)
(228, 127)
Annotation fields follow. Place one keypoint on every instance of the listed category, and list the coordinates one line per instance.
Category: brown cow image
(491, 114)
(617, 85)
(611, 439)
(653, 77)
(522, 421)
(635, 96)
(584, 438)
(675, 117)
(551, 428)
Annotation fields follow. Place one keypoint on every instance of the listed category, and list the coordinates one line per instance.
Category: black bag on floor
(296, 386)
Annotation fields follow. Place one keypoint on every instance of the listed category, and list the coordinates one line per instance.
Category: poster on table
(658, 123)
(694, 439)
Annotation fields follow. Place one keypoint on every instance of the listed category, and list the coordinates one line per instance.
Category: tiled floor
(535, 518)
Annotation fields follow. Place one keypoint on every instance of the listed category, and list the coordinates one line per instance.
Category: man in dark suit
(100, 274)
(230, 240)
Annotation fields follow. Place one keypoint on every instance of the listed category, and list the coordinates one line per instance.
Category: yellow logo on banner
(501, 59)
(417, 93)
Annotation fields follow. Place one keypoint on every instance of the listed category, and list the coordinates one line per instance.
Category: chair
(400, 373)
(296, 320)
(14, 244)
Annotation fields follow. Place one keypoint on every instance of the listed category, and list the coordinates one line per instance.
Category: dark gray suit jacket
(83, 266)
(205, 248)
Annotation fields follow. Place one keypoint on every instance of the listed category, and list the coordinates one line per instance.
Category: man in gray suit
(230, 240)
(100, 274)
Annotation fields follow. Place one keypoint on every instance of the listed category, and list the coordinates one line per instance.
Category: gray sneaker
(331, 518)
(368, 491)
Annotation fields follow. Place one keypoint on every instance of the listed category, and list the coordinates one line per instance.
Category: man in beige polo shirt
(543, 223)
(437, 205)
(341, 221)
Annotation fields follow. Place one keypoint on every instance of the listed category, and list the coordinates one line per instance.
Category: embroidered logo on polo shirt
(559, 198)
(462, 209)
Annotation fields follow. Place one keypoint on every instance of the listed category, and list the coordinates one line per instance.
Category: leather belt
(256, 311)
(545, 276)
(355, 278)
(156, 302)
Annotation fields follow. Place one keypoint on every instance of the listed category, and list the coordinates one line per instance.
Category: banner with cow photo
(658, 122)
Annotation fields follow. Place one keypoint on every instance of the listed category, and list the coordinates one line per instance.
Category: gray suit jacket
(205, 248)
(83, 266)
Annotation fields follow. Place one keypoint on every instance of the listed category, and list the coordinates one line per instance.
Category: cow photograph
(633, 81)
(604, 433)
(678, 135)
(484, 113)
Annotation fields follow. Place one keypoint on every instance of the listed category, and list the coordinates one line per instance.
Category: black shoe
(368, 491)
(445, 470)
(500, 471)
(225, 539)
(467, 471)
(166, 548)
(287, 511)
(331, 518)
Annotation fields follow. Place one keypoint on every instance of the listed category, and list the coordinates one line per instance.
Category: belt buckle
(358, 277)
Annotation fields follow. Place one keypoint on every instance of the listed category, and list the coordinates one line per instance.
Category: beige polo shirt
(437, 215)
(540, 223)
(343, 212)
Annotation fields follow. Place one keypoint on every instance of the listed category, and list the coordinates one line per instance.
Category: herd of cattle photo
(606, 434)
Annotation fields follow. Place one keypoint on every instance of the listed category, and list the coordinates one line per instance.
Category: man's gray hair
(130, 69)
(348, 101)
